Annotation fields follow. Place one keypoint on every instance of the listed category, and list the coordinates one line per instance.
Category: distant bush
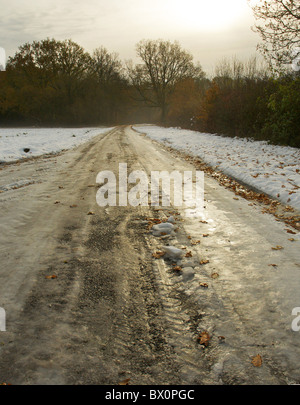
(282, 122)
(242, 101)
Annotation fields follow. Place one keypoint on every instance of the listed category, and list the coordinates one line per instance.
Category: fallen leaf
(73, 206)
(278, 247)
(214, 275)
(158, 255)
(290, 231)
(124, 382)
(204, 338)
(51, 277)
(188, 254)
(221, 338)
(204, 261)
(177, 268)
(292, 239)
(274, 265)
(205, 285)
(90, 213)
(257, 360)
(205, 235)
(195, 242)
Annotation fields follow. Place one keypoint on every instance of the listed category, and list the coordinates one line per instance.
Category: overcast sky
(209, 29)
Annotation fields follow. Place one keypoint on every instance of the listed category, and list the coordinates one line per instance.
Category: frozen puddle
(232, 274)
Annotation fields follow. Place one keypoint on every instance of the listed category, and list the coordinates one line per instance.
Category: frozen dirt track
(115, 312)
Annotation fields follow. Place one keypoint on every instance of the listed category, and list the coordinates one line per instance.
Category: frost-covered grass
(272, 169)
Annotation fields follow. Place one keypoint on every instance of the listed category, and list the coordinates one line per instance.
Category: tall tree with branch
(164, 65)
(278, 24)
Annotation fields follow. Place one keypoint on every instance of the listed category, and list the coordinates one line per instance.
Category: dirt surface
(112, 311)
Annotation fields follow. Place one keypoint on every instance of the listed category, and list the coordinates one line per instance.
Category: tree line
(51, 83)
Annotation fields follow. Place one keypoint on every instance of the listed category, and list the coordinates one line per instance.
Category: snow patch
(272, 169)
(16, 143)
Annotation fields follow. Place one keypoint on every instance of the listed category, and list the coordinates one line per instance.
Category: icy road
(92, 297)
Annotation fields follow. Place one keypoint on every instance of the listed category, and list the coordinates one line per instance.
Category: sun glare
(206, 15)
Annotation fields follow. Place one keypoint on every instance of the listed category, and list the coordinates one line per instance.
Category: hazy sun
(206, 14)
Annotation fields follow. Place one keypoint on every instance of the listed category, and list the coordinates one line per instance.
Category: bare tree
(164, 64)
(278, 24)
(106, 66)
(232, 71)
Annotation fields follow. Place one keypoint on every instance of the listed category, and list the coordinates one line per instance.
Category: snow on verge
(272, 169)
(14, 142)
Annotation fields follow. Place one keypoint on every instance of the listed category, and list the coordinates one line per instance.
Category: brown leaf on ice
(124, 382)
(272, 264)
(205, 285)
(205, 235)
(292, 239)
(73, 206)
(204, 338)
(290, 231)
(51, 277)
(257, 361)
(214, 275)
(204, 261)
(188, 254)
(155, 220)
(177, 268)
(195, 242)
(158, 254)
(278, 247)
(90, 213)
